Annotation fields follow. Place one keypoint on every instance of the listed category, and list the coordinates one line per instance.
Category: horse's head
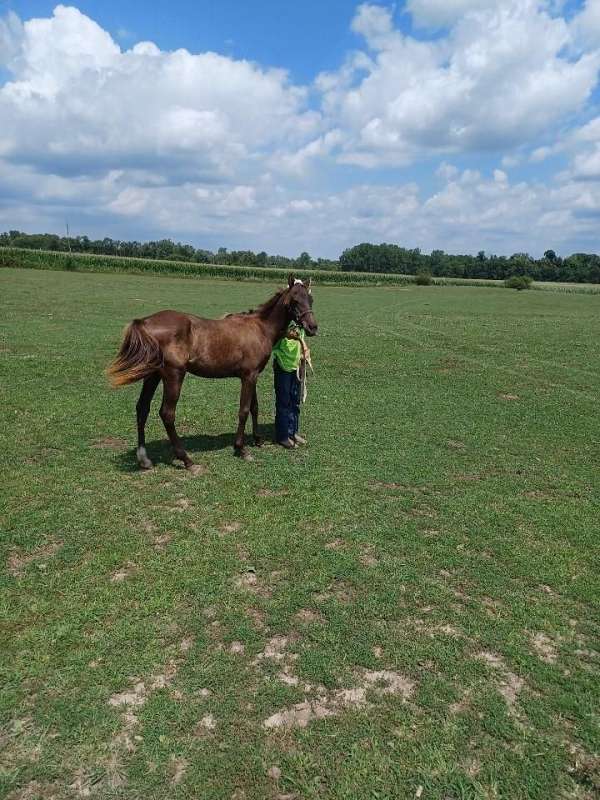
(299, 301)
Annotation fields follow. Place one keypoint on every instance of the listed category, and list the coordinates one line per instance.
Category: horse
(169, 344)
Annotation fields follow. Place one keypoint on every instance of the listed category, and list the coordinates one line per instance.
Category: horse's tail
(140, 355)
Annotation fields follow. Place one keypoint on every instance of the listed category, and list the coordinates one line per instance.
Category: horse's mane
(263, 310)
(266, 308)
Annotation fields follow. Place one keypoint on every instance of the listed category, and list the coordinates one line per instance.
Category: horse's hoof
(244, 454)
(258, 441)
(143, 459)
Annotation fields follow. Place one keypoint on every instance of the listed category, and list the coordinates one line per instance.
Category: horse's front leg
(254, 411)
(248, 388)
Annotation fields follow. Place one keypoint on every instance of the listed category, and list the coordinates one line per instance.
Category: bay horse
(169, 344)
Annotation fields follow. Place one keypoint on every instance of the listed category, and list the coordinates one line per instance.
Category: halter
(303, 314)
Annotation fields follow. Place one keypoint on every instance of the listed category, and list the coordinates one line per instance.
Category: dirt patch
(35, 790)
(544, 647)
(338, 590)
(275, 649)
(196, 470)
(541, 496)
(258, 618)
(148, 526)
(307, 615)
(182, 504)
(129, 701)
(455, 444)
(138, 693)
(331, 704)
(585, 769)
(509, 684)
(367, 557)
(121, 574)
(17, 560)
(110, 443)
(460, 706)
(493, 607)
(206, 725)
(509, 396)
(422, 511)
(236, 648)
(178, 769)
(229, 527)
(266, 492)
(336, 544)
(161, 541)
(249, 581)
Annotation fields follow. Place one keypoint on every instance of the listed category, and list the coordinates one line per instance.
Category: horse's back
(168, 324)
(208, 347)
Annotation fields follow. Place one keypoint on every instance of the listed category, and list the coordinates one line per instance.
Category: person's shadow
(160, 451)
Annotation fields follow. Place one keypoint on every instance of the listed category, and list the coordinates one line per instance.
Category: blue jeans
(287, 403)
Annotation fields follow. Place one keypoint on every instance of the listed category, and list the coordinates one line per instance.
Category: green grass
(441, 527)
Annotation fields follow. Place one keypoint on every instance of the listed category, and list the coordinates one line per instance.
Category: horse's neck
(276, 322)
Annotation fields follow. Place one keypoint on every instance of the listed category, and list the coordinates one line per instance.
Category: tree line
(366, 257)
(577, 268)
(162, 249)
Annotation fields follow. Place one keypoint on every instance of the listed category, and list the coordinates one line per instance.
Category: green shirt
(288, 352)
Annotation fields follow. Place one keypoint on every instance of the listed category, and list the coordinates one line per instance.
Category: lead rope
(301, 371)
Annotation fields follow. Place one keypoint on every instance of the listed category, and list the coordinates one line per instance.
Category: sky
(460, 125)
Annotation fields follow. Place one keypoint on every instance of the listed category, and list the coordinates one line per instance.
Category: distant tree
(304, 261)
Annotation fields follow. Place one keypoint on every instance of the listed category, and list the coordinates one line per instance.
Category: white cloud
(499, 78)
(76, 97)
(586, 24)
(299, 162)
(11, 34)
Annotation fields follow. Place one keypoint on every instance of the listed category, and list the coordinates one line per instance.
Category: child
(288, 354)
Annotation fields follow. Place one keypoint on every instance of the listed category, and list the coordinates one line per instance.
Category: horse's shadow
(160, 451)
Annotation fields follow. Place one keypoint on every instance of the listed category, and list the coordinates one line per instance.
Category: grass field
(407, 608)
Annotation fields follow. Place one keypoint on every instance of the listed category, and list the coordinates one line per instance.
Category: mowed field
(407, 608)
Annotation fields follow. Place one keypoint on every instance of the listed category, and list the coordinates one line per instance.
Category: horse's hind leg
(172, 382)
(143, 409)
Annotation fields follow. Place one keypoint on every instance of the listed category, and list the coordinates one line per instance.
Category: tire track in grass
(490, 349)
(385, 330)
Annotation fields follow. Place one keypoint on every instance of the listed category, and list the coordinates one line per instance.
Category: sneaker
(288, 444)
(299, 439)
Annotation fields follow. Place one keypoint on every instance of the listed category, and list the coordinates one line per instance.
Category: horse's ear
(291, 280)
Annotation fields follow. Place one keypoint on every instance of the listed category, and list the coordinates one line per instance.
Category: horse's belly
(202, 370)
